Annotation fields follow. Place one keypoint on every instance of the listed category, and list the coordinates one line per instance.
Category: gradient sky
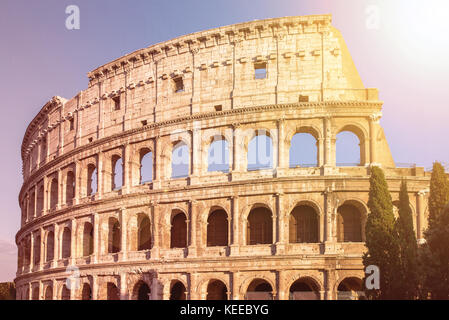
(405, 55)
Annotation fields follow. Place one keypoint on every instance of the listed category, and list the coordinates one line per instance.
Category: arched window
(114, 237)
(70, 188)
(217, 228)
(146, 166)
(180, 160)
(91, 179)
(37, 250)
(86, 292)
(88, 239)
(178, 235)
(178, 291)
(218, 157)
(28, 250)
(216, 290)
(349, 225)
(259, 226)
(40, 201)
(303, 150)
(48, 293)
(117, 173)
(35, 294)
(348, 151)
(141, 291)
(66, 243)
(350, 289)
(144, 240)
(260, 151)
(112, 291)
(54, 193)
(303, 225)
(304, 289)
(31, 203)
(65, 293)
(50, 247)
(259, 289)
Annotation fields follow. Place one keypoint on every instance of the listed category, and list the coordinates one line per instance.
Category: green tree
(439, 193)
(382, 245)
(434, 254)
(7, 291)
(407, 268)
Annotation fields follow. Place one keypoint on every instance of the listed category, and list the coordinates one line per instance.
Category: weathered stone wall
(311, 86)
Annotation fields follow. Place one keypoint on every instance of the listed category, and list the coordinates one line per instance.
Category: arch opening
(141, 291)
(259, 226)
(88, 239)
(259, 289)
(350, 289)
(92, 179)
(144, 237)
(112, 292)
(216, 290)
(217, 228)
(260, 151)
(53, 194)
(114, 236)
(348, 149)
(304, 289)
(48, 293)
(180, 160)
(86, 292)
(349, 223)
(303, 225)
(117, 173)
(178, 234)
(50, 247)
(66, 243)
(218, 155)
(303, 150)
(70, 188)
(178, 291)
(146, 165)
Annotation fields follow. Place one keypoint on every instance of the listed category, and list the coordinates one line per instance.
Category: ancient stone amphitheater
(105, 215)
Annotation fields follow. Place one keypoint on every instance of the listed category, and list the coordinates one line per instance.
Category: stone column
(32, 251)
(96, 225)
(237, 150)
(373, 124)
(282, 293)
(420, 226)
(321, 151)
(329, 284)
(330, 239)
(196, 153)
(46, 203)
(60, 190)
(282, 153)
(155, 230)
(78, 171)
(35, 198)
(56, 244)
(282, 220)
(73, 253)
(235, 220)
(123, 289)
(100, 175)
(158, 160)
(191, 228)
(127, 168)
(235, 285)
(123, 238)
(55, 289)
(95, 287)
(42, 249)
(329, 157)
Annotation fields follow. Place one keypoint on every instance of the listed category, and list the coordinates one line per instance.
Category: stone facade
(281, 232)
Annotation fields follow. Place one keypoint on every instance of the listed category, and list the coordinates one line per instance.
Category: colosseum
(108, 210)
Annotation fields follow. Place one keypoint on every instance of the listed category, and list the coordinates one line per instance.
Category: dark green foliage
(381, 243)
(7, 291)
(434, 255)
(407, 269)
(439, 193)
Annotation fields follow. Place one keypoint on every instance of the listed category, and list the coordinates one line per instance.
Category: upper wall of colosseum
(275, 61)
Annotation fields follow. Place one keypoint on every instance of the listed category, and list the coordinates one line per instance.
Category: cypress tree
(439, 193)
(382, 248)
(434, 255)
(407, 273)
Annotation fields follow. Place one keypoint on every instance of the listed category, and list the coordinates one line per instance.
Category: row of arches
(304, 288)
(303, 227)
(303, 152)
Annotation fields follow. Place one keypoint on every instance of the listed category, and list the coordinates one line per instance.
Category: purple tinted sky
(405, 57)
